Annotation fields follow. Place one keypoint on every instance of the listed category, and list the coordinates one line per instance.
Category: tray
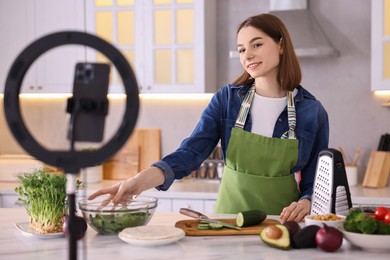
(190, 228)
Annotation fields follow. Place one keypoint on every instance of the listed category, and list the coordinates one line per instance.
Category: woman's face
(259, 53)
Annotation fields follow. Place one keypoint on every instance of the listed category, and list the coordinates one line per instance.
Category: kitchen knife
(202, 217)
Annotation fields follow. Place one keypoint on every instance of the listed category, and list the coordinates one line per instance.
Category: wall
(342, 84)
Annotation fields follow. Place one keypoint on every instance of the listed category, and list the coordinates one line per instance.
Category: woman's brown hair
(289, 74)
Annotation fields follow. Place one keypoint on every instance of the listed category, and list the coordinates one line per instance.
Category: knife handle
(191, 213)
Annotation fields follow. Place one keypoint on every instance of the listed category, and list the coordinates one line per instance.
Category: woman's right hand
(144, 180)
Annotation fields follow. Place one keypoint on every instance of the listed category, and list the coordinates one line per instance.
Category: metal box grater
(330, 191)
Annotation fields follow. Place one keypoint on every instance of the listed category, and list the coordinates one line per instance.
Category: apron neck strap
(291, 116)
(245, 107)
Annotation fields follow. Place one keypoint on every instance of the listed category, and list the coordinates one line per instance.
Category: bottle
(211, 170)
(202, 171)
(219, 170)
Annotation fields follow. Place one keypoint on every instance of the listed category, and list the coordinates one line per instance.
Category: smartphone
(90, 86)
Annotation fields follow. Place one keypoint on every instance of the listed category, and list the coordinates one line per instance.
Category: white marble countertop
(208, 190)
(17, 246)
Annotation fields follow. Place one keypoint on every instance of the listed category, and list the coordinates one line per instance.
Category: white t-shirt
(265, 111)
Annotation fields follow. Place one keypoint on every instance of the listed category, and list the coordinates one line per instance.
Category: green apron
(257, 170)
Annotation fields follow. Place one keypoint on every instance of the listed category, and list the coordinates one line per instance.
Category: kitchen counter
(208, 190)
(17, 246)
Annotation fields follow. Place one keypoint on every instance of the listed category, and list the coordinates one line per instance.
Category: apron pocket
(241, 191)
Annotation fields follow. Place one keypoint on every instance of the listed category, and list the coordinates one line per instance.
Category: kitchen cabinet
(22, 22)
(170, 44)
(194, 204)
(209, 206)
(380, 45)
(164, 205)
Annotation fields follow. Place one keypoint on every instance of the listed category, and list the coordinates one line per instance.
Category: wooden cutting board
(141, 150)
(190, 228)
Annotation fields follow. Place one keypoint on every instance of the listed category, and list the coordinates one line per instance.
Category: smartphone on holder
(90, 89)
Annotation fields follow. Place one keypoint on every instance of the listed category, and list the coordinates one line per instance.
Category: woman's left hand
(296, 211)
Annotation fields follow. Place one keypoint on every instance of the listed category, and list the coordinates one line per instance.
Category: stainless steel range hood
(308, 38)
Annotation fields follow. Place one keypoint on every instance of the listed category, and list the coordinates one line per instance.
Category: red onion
(79, 227)
(329, 239)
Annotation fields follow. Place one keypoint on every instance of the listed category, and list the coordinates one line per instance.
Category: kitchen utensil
(378, 170)
(384, 143)
(357, 155)
(331, 190)
(195, 214)
(109, 219)
(190, 227)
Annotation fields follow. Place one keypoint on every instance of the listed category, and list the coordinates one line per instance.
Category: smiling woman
(271, 130)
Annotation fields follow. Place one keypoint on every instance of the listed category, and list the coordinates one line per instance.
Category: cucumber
(250, 218)
(216, 226)
(203, 226)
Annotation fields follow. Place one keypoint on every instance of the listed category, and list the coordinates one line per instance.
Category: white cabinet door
(16, 31)
(187, 203)
(209, 206)
(380, 45)
(55, 69)
(171, 45)
(24, 21)
(164, 205)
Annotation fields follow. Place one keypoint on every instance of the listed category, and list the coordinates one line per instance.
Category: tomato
(380, 213)
(387, 218)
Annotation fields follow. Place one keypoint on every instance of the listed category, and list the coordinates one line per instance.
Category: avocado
(306, 237)
(276, 236)
(293, 228)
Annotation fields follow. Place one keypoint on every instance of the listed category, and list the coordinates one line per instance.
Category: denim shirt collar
(243, 89)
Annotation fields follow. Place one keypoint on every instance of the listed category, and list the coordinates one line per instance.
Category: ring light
(70, 161)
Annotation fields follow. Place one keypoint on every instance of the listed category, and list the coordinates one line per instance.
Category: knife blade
(195, 214)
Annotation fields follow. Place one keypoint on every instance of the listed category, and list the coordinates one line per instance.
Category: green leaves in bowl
(114, 223)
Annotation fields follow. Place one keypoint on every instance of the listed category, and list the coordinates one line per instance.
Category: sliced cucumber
(203, 226)
(250, 218)
(216, 226)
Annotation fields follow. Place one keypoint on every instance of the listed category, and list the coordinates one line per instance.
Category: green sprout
(43, 194)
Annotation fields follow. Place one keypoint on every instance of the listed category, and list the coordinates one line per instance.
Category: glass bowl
(134, 211)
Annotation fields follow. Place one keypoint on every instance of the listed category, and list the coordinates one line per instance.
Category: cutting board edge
(251, 230)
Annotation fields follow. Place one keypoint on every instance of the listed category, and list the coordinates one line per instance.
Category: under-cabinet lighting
(155, 96)
(382, 92)
(177, 96)
(44, 95)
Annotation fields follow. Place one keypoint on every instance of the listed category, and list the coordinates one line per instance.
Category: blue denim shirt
(218, 119)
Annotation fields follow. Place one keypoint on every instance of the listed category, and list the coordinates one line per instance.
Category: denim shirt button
(280, 119)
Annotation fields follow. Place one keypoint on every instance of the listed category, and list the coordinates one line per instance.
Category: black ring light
(70, 161)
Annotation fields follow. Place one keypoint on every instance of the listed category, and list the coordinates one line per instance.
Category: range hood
(307, 36)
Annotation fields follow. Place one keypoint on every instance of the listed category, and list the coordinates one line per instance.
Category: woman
(271, 131)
